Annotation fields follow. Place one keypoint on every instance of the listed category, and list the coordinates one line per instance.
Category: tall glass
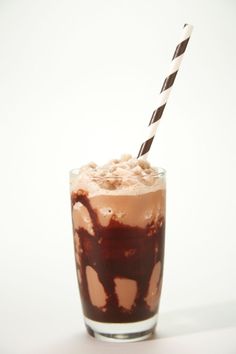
(119, 253)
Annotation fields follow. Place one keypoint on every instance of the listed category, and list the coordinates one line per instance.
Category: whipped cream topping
(127, 174)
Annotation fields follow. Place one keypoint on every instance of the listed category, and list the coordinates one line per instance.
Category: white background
(78, 82)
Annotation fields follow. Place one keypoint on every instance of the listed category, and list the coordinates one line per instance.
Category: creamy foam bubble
(128, 175)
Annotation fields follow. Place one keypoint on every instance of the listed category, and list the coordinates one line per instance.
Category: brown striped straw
(165, 90)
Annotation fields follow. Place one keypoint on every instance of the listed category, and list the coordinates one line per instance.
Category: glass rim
(160, 172)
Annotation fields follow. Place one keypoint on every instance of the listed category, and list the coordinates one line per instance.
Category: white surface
(78, 82)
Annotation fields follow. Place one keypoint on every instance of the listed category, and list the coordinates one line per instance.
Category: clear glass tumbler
(119, 252)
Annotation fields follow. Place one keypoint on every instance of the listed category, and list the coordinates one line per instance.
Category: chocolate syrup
(106, 252)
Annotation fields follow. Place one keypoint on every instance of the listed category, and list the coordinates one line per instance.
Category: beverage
(118, 214)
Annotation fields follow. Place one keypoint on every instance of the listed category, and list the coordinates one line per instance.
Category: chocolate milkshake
(118, 214)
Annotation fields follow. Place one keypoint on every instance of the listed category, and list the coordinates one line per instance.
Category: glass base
(121, 332)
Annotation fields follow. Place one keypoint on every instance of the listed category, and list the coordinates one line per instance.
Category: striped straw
(165, 90)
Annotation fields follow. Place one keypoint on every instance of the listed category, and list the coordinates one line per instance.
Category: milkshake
(118, 215)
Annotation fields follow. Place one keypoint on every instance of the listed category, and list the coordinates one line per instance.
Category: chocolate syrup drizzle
(107, 251)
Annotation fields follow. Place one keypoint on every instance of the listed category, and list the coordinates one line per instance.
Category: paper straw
(165, 91)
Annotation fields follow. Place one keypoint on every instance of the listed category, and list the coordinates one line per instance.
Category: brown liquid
(106, 253)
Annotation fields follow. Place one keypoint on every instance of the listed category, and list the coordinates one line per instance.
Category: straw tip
(188, 25)
(188, 29)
